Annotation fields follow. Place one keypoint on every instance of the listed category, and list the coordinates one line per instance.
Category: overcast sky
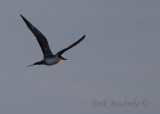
(118, 63)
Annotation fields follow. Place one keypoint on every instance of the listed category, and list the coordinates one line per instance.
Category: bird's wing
(40, 38)
(71, 46)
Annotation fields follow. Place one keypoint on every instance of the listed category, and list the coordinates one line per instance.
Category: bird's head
(36, 63)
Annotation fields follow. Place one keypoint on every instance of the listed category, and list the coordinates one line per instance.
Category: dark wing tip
(78, 40)
(82, 38)
(23, 17)
(71, 46)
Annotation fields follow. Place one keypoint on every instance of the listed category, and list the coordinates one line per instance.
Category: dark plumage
(49, 58)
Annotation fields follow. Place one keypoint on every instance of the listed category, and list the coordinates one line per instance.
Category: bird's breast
(52, 61)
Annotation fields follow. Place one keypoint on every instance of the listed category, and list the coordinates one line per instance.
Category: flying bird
(49, 58)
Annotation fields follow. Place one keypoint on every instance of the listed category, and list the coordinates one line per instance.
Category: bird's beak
(30, 65)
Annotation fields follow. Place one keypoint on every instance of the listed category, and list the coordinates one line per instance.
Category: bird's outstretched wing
(71, 46)
(40, 38)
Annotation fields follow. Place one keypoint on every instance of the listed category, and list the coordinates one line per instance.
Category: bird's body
(52, 60)
(49, 58)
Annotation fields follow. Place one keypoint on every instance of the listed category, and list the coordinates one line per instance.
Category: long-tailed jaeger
(49, 58)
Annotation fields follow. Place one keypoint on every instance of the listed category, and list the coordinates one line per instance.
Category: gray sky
(117, 62)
